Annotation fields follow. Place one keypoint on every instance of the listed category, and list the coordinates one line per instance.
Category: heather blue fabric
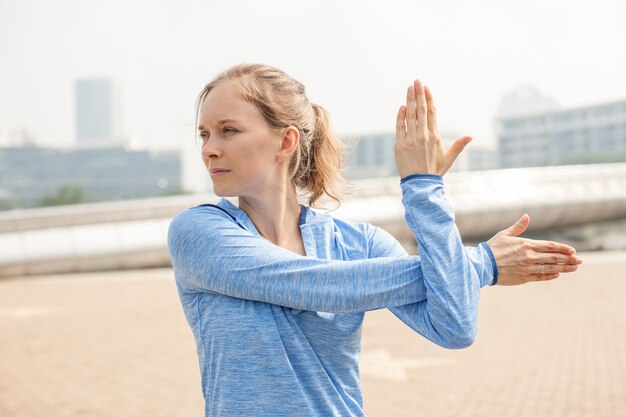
(279, 334)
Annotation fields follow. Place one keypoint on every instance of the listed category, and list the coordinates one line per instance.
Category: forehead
(224, 102)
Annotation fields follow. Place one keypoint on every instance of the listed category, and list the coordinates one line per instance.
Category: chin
(223, 192)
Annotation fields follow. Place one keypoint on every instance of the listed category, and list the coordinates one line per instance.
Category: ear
(290, 140)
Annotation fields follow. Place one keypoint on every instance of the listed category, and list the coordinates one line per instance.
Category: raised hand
(418, 147)
(522, 260)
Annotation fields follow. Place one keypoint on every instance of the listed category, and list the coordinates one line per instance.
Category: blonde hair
(317, 164)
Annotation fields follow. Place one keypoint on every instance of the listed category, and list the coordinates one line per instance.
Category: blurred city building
(98, 110)
(532, 131)
(103, 164)
(372, 156)
(525, 101)
(30, 174)
(479, 159)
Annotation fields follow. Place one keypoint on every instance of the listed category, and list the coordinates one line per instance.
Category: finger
(557, 258)
(456, 148)
(544, 277)
(454, 151)
(400, 123)
(432, 111)
(422, 109)
(411, 116)
(547, 269)
(547, 246)
(519, 227)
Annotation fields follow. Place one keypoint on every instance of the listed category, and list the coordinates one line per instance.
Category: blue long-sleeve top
(279, 334)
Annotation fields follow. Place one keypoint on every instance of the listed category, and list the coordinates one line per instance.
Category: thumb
(454, 150)
(457, 147)
(519, 227)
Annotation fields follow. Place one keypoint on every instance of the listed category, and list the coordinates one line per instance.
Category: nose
(210, 149)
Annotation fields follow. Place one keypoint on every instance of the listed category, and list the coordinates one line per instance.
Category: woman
(275, 293)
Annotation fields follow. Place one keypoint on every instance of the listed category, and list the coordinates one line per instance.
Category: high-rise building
(98, 110)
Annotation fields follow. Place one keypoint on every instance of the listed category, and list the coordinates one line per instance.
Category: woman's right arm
(210, 252)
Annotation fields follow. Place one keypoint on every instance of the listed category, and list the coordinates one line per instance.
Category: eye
(204, 136)
(229, 129)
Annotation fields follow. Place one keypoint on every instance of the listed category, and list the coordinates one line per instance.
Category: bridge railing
(132, 234)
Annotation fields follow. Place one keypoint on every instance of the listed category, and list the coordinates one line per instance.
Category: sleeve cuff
(494, 265)
(423, 176)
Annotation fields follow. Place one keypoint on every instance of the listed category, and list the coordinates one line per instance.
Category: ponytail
(326, 158)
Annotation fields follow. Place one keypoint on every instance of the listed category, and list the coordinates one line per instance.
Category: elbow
(460, 337)
(461, 342)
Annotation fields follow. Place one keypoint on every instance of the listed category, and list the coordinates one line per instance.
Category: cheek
(264, 164)
(260, 160)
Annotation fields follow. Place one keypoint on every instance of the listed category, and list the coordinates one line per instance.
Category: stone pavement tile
(117, 344)
(544, 349)
(109, 344)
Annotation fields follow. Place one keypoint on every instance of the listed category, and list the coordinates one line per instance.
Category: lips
(218, 171)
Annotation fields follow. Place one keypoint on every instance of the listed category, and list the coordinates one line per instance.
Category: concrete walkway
(117, 344)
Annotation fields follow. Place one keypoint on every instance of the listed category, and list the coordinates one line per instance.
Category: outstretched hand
(418, 147)
(522, 260)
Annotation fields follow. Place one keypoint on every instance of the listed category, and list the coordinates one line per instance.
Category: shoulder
(198, 218)
(201, 213)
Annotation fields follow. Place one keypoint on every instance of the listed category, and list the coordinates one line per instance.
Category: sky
(356, 58)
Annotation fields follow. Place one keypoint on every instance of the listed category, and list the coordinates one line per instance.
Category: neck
(275, 214)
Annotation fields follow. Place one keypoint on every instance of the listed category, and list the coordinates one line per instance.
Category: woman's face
(239, 149)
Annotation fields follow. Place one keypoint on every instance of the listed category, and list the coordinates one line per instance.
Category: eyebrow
(220, 122)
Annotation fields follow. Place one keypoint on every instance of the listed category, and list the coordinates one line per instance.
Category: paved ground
(117, 344)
